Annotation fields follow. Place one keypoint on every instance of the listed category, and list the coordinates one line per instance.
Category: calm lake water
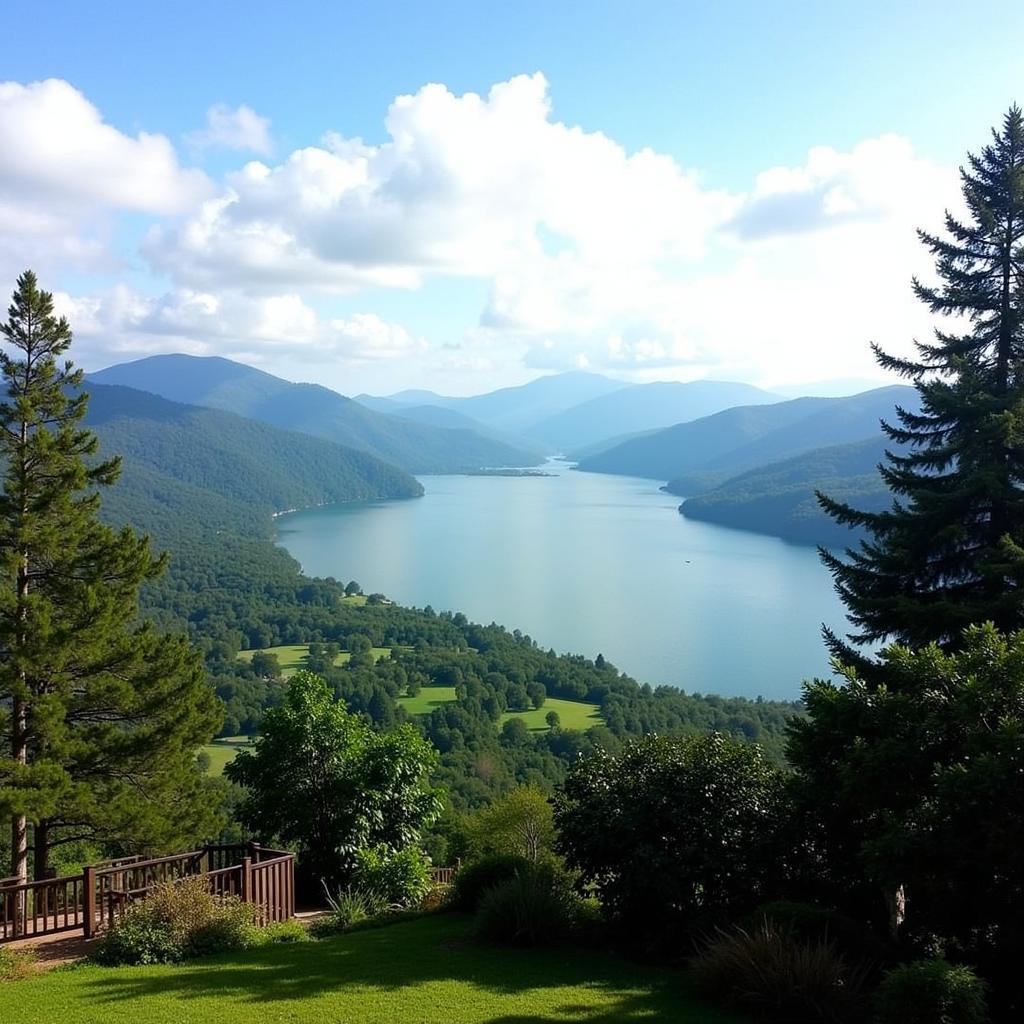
(590, 564)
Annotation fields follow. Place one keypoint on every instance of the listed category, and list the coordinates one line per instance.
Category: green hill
(236, 458)
(311, 409)
(697, 456)
(779, 499)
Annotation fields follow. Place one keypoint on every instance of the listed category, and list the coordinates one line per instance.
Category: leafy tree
(101, 716)
(950, 549)
(674, 832)
(266, 665)
(553, 719)
(322, 779)
(913, 785)
(521, 823)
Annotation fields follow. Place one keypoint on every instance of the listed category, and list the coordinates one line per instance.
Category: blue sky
(792, 149)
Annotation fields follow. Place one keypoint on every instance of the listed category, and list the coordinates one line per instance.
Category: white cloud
(65, 172)
(121, 322)
(239, 128)
(465, 185)
(55, 146)
(592, 255)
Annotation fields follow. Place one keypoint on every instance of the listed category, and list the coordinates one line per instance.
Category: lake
(588, 563)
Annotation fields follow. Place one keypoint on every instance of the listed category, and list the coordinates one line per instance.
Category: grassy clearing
(572, 714)
(222, 751)
(427, 699)
(292, 657)
(426, 971)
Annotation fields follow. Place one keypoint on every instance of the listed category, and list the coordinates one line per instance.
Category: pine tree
(101, 716)
(950, 550)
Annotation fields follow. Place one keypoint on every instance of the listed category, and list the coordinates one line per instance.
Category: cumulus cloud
(591, 255)
(56, 147)
(64, 174)
(277, 328)
(464, 185)
(239, 128)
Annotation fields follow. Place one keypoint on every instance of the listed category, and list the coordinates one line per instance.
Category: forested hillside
(310, 409)
(696, 456)
(204, 484)
(780, 499)
(259, 466)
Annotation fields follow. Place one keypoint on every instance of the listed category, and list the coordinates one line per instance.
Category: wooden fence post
(246, 893)
(89, 901)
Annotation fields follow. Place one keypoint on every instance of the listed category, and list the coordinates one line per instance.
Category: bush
(769, 969)
(232, 926)
(932, 992)
(177, 920)
(476, 879)
(536, 907)
(399, 879)
(15, 964)
(676, 832)
(348, 907)
(812, 923)
(139, 938)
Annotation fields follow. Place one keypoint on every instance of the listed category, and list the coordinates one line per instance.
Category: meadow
(429, 970)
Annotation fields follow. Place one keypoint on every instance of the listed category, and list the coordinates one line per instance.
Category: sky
(464, 196)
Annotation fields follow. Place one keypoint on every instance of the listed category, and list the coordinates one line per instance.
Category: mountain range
(218, 383)
(209, 432)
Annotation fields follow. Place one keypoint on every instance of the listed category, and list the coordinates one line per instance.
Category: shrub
(932, 992)
(675, 832)
(177, 920)
(232, 926)
(811, 923)
(768, 969)
(15, 964)
(398, 879)
(536, 907)
(476, 879)
(138, 938)
(348, 907)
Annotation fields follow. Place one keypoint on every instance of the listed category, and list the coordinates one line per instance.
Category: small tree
(100, 715)
(553, 719)
(521, 822)
(674, 832)
(320, 778)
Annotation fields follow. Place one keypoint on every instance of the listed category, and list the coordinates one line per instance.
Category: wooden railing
(96, 898)
(443, 876)
(41, 908)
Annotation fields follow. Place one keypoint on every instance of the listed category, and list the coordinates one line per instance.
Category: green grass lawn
(574, 714)
(425, 971)
(222, 751)
(427, 699)
(292, 657)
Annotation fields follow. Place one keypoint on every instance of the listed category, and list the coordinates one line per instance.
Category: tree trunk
(40, 850)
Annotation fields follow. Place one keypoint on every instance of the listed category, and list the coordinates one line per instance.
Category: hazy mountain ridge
(310, 409)
(643, 407)
(698, 455)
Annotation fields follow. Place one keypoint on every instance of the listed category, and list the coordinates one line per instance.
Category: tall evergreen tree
(950, 550)
(101, 716)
